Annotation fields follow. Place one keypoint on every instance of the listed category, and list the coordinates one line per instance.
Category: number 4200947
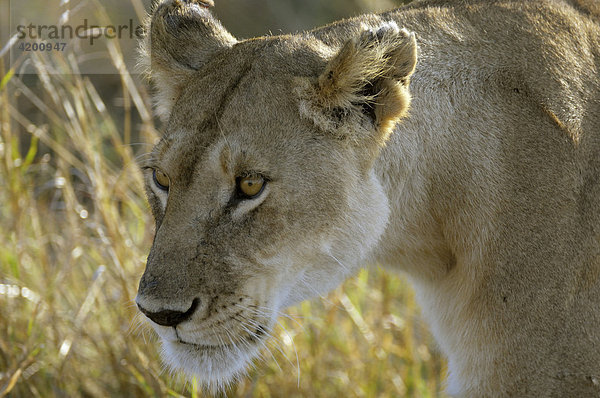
(26, 46)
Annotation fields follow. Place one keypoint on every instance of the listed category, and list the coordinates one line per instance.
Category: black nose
(169, 317)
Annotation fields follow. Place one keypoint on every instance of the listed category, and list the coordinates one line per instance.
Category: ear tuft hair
(368, 76)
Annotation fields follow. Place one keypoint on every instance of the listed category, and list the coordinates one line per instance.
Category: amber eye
(251, 186)
(161, 179)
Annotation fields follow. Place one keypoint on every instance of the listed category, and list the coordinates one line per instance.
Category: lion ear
(181, 36)
(369, 77)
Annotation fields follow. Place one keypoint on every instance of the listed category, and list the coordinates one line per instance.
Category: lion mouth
(205, 347)
(254, 337)
(216, 352)
(215, 365)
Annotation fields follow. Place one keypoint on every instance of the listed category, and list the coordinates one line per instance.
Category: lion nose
(170, 317)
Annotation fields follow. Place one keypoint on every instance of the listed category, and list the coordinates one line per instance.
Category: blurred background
(75, 229)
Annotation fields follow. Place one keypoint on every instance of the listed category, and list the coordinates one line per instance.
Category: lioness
(289, 162)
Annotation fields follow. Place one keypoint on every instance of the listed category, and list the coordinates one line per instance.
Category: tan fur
(487, 195)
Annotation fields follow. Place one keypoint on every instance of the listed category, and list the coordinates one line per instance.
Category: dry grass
(74, 233)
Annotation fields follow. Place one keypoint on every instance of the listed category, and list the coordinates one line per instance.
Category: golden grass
(74, 233)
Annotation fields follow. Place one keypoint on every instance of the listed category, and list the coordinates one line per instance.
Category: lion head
(262, 186)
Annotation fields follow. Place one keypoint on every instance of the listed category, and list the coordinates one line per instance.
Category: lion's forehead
(255, 78)
(246, 105)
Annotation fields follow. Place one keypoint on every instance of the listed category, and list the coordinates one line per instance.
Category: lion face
(261, 187)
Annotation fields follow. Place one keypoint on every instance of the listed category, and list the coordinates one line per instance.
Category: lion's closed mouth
(254, 337)
(205, 347)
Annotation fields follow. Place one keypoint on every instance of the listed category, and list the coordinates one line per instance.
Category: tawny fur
(485, 194)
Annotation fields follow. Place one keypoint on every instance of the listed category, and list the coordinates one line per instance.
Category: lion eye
(250, 186)
(161, 180)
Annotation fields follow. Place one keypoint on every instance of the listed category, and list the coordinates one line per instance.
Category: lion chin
(215, 366)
